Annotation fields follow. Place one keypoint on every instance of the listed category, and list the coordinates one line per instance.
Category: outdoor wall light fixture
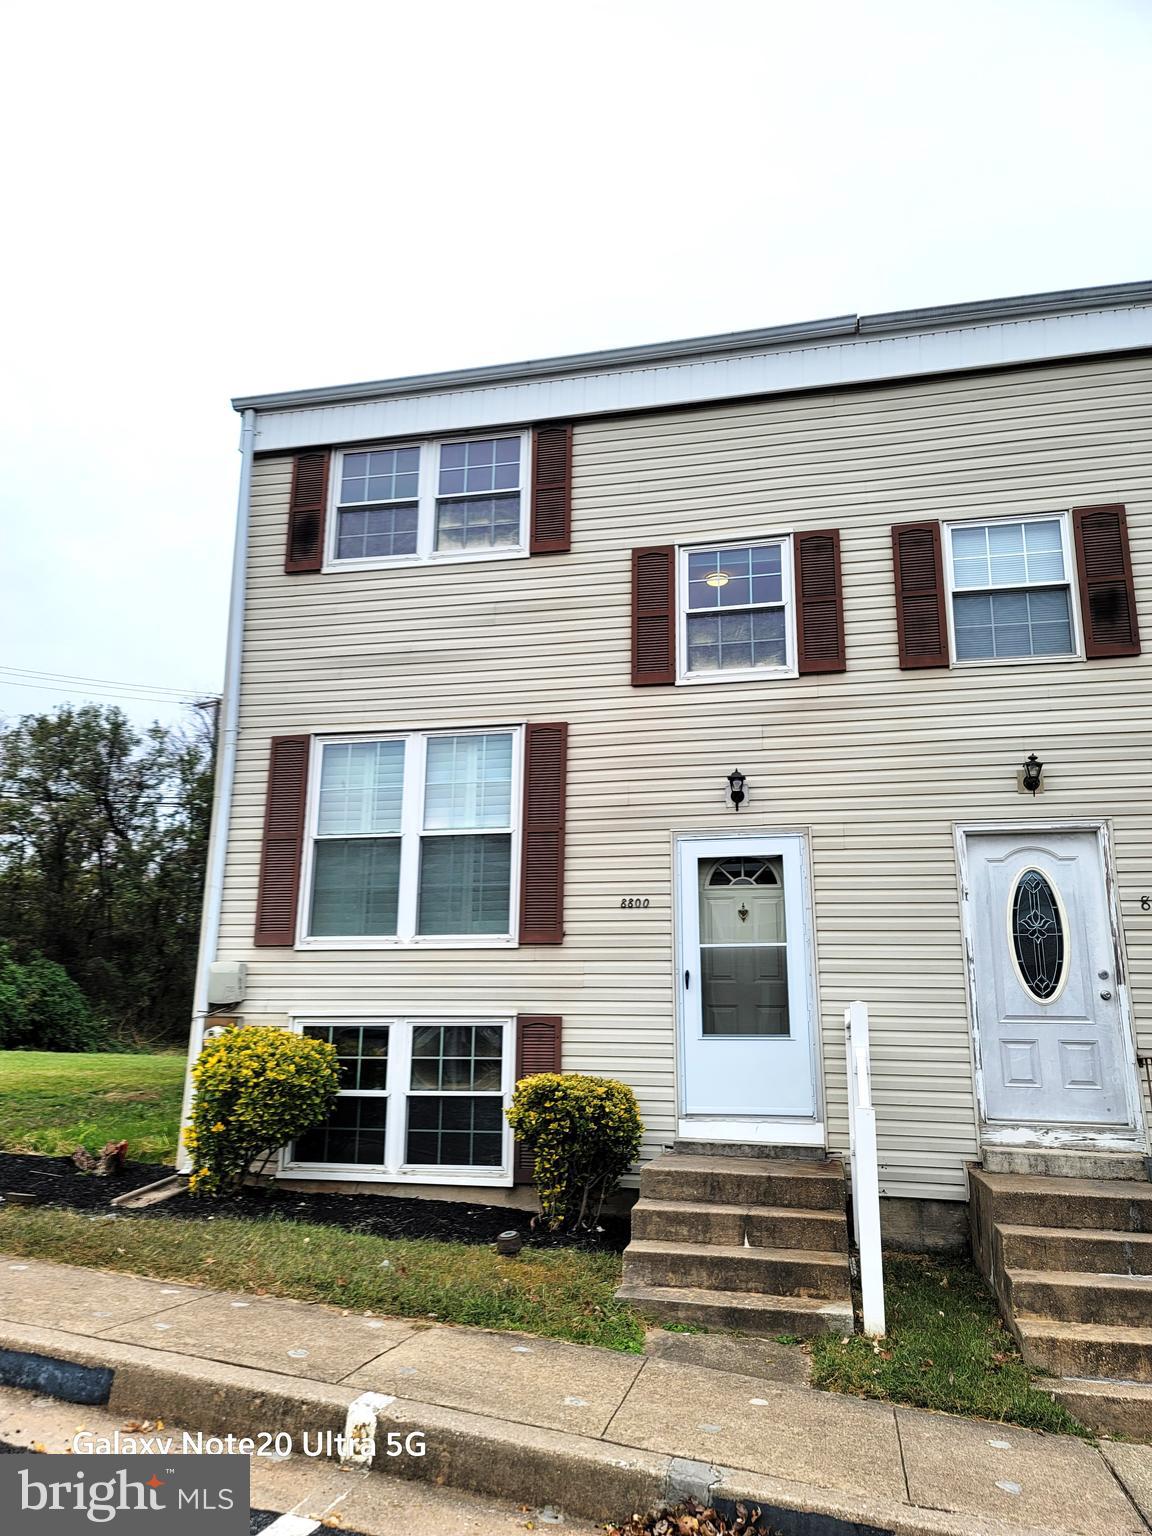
(736, 783)
(1031, 772)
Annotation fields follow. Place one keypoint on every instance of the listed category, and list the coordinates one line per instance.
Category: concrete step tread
(764, 1212)
(745, 1301)
(1095, 1386)
(1075, 1277)
(753, 1167)
(1091, 1333)
(1074, 1234)
(1043, 1184)
(658, 1248)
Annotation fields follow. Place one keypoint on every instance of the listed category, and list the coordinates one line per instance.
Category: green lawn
(53, 1102)
(556, 1292)
(946, 1349)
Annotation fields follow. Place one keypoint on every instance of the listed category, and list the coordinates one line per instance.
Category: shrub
(583, 1134)
(256, 1088)
(42, 1008)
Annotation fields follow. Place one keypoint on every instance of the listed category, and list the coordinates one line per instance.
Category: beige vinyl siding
(877, 763)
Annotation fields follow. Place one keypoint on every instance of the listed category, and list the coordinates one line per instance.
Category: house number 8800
(634, 901)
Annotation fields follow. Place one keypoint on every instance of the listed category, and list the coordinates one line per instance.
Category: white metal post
(864, 1167)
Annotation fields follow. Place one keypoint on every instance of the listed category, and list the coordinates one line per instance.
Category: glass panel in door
(743, 947)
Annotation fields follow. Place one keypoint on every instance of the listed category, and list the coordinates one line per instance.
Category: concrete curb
(589, 1478)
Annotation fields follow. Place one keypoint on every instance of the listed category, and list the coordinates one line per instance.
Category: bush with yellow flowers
(256, 1089)
(583, 1134)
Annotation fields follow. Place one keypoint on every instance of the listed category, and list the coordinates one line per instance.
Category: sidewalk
(597, 1433)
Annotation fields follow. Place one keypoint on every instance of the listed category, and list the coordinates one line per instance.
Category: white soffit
(823, 355)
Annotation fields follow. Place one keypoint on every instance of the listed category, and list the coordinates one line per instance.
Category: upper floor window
(413, 839)
(1011, 593)
(735, 610)
(430, 500)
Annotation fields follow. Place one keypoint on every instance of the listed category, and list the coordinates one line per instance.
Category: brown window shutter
(819, 602)
(653, 615)
(283, 846)
(538, 1046)
(306, 509)
(1107, 593)
(551, 490)
(542, 861)
(921, 618)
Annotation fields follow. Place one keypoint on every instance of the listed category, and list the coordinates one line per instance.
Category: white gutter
(226, 739)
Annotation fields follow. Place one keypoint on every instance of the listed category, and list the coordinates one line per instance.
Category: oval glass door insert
(1037, 929)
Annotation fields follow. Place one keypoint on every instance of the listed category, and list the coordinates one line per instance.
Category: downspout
(226, 740)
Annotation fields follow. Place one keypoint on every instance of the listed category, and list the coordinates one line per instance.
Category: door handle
(687, 979)
(1107, 996)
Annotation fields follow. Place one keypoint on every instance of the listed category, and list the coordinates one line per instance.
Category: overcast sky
(211, 200)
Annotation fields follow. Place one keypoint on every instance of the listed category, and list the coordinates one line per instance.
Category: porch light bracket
(1031, 773)
(736, 783)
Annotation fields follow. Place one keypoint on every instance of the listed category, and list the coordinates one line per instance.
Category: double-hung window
(735, 610)
(417, 1097)
(1011, 589)
(413, 839)
(430, 500)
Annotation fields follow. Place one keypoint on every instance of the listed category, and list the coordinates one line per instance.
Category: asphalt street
(317, 1495)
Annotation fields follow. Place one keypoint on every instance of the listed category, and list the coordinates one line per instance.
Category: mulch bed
(57, 1181)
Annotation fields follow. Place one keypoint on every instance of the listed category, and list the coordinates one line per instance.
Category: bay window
(413, 838)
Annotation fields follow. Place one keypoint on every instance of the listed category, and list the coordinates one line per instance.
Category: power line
(110, 682)
(98, 693)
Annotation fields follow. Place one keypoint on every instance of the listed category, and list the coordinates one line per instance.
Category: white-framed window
(412, 839)
(735, 618)
(420, 1099)
(1010, 589)
(431, 499)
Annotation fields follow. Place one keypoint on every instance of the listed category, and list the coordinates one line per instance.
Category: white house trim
(825, 354)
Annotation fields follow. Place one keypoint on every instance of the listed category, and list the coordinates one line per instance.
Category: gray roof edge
(547, 367)
(1023, 306)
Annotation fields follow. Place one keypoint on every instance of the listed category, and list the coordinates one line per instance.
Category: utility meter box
(227, 982)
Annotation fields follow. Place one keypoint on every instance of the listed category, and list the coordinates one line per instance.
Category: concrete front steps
(754, 1244)
(1070, 1260)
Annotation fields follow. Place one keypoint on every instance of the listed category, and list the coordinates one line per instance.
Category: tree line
(103, 840)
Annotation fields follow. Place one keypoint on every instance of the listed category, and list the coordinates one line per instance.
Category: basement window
(419, 1098)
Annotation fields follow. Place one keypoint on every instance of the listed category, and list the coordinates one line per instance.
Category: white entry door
(1052, 1043)
(746, 979)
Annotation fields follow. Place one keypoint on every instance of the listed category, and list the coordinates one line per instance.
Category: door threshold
(1035, 1138)
(769, 1133)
